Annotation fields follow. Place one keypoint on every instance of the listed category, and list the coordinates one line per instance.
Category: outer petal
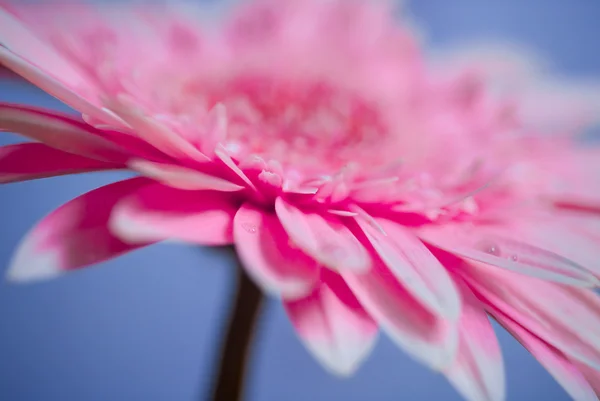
(157, 212)
(264, 247)
(59, 131)
(54, 87)
(560, 367)
(73, 236)
(568, 318)
(592, 376)
(326, 239)
(417, 331)
(182, 177)
(511, 248)
(414, 266)
(333, 326)
(478, 371)
(28, 161)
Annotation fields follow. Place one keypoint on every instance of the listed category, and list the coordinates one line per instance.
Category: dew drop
(491, 248)
(514, 258)
(250, 228)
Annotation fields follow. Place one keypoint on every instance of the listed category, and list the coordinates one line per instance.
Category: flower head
(361, 183)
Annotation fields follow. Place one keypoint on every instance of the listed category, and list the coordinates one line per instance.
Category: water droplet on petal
(514, 258)
(250, 228)
(491, 248)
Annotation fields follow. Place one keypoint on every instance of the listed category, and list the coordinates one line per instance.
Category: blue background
(144, 327)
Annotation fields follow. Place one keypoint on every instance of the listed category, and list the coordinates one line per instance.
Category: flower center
(298, 123)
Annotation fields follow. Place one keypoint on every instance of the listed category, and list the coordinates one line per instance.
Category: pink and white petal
(59, 131)
(154, 132)
(21, 41)
(413, 265)
(30, 161)
(478, 370)
(73, 236)
(503, 246)
(561, 238)
(421, 334)
(182, 177)
(566, 317)
(566, 373)
(591, 375)
(334, 327)
(158, 212)
(55, 88)
(263, 247)
(325, 238)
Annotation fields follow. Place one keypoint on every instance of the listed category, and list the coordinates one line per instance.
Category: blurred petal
(54, 87)
(333, 326)
(427, 338)
(326, 239)
(568, 318)
(414, 266)
(478, 370)
(59, 131)
(508, 247)
(29, 161)
(182, 177)
(158, 212)
(73, 236)
(264, 249)
(566, 373)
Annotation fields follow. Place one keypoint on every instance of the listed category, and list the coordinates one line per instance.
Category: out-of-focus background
(145, 326)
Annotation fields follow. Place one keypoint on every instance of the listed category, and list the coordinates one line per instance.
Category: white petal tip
(27, 268)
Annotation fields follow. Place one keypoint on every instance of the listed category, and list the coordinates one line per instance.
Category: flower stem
(235, 349)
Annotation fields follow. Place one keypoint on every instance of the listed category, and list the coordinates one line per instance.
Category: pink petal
(73, 236)
(562, 239)
(508, 247)
(54, 87)
(59, 131)
(424, 336)
(29, 161)
(333, 326)
(414, 266)
(158, 212)
(325, 238)
(478, 370)
(568, 318)
(264, 249)
(182, 177)
(567, 374)
(154, 132)
(592, 376)
(20, 40)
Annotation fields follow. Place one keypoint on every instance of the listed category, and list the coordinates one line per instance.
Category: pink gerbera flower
(363, 185)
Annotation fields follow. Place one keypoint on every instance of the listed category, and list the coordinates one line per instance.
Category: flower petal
(182, 177)
(424, 336)
(564, 371)
(29, 161)
(54, 87)
(333, 326)
(566, 317)
(158, 212)
(478, 370)
(264, 249)
(154, 132)
(507, 247)
(326, 239)
(73, 236)
(59, 131)
(421, 273)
